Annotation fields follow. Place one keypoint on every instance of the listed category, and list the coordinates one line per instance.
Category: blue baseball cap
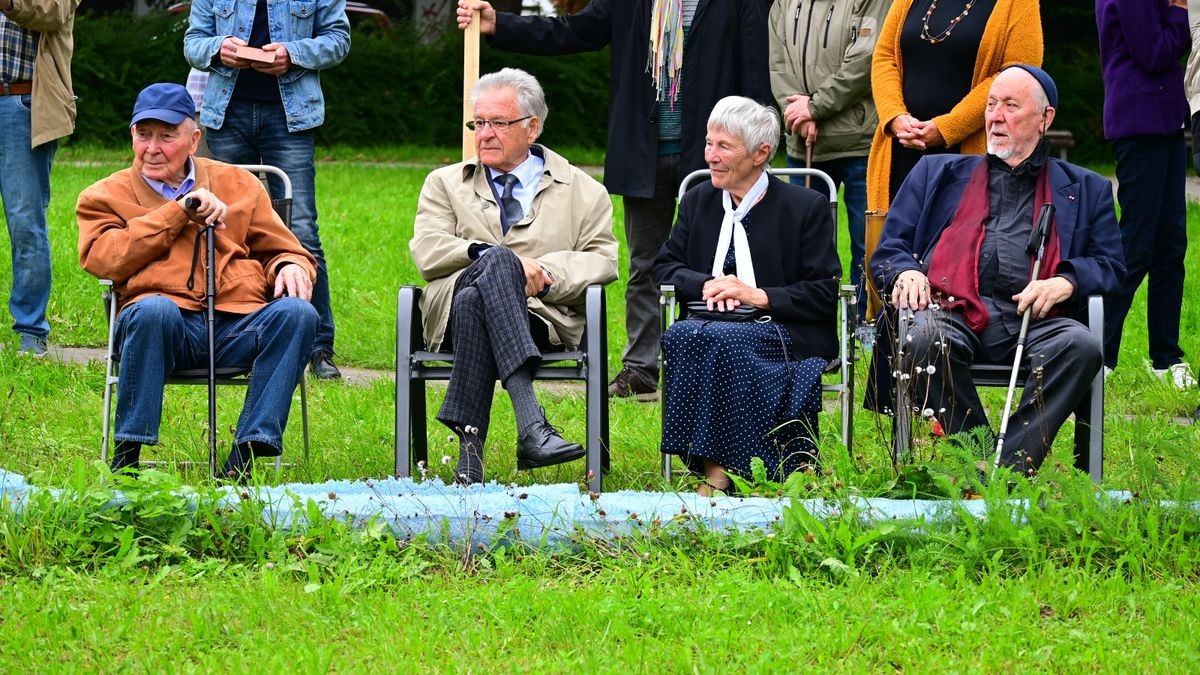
(1043, 79)
(165, 101)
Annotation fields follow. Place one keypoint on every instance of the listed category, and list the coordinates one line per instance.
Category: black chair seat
(415, 367)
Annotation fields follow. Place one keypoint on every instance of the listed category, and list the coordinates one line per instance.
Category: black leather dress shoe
(320, 364)
(541, 445)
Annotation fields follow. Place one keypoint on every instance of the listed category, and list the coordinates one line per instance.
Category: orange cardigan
(1013, 34)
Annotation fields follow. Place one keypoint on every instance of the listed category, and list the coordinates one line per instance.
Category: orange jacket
(1013, 34)
(144, 242)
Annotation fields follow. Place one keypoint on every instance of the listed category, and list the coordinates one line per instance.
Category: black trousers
(1062, 357)
(1151, 173)
(491, 334)
(647, 227)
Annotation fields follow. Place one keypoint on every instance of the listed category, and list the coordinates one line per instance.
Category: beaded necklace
(941, 37)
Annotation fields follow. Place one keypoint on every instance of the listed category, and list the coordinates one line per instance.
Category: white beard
(1000, 153)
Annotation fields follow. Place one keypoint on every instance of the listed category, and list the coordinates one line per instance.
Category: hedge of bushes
(392, 88)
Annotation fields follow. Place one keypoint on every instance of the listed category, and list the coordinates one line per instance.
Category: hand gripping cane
(1037, 243)
(210, 283)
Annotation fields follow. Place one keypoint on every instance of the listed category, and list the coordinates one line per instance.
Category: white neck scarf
(731, 228)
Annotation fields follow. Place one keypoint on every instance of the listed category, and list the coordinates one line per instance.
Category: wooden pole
(470, 77)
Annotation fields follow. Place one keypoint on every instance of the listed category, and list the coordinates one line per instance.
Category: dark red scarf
(954, 264)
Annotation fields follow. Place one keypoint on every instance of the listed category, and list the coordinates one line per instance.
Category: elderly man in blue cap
(142, 228)
(954, 250)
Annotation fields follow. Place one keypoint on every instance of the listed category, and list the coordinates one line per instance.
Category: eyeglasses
(498, 126)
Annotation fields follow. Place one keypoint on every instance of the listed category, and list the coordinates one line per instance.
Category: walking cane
(210, 311)
(1037, 242)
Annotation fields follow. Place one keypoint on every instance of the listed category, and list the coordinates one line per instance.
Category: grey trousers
(647, 227)
(490, 336)
(1061, 354)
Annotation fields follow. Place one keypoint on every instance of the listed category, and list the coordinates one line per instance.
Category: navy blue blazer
(790, 233)
(1088, 236)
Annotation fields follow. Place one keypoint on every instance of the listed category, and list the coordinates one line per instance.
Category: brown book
(255, 54)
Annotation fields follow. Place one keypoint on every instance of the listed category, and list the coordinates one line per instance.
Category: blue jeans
(25, 191)
(1151, 173)
(851, 174)
(155, 337)
(257, 133)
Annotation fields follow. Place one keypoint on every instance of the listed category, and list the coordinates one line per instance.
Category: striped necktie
(509, 206)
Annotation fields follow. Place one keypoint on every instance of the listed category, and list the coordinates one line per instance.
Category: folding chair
(1089, 417)
(843, 364)
(415, 367)
(197, 376)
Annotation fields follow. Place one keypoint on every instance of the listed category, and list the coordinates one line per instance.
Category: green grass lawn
(331, 602)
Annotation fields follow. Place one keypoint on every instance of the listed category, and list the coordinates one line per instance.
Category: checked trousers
(491, 336)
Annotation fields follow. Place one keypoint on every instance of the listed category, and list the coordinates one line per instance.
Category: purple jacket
(1141, 45)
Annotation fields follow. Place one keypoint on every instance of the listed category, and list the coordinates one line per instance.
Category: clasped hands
(727, 292)
(911, 291)
(916, 134)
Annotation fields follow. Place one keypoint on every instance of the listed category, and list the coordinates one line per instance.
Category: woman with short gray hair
(753, 260)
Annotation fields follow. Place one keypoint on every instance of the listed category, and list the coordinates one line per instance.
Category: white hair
(531, 100)
(751, 122)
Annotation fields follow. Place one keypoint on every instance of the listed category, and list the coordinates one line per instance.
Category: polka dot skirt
(732, 393)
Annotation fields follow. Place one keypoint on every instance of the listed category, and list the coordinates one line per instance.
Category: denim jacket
(316, 34)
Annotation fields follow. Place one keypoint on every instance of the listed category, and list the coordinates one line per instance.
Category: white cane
(1037, 242)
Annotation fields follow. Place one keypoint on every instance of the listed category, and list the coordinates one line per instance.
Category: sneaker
(630, 382)
(1179, 374)
(1108, 372)
(32, 345)
(320, 364)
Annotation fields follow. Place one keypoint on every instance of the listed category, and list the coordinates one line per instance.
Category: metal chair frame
(847, 304)
(415, 367)
(196, 376)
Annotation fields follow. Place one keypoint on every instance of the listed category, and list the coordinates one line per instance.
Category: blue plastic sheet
(538, 515)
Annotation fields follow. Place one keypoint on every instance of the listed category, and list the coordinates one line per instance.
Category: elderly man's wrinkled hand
(211, 210)
(809, 131)
(797, 112)
(487, 16)
(293, 281)
(911, 290)
(536, 277)
(1042, 295)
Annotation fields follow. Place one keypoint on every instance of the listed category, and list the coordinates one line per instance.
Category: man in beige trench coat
(508, 243)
